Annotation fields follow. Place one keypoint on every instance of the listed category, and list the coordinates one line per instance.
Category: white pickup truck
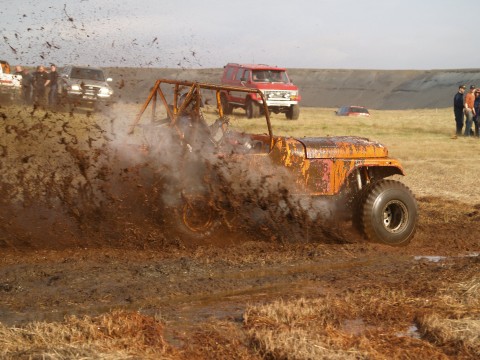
(10, 84)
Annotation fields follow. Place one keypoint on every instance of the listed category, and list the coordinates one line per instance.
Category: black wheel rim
(395, 216)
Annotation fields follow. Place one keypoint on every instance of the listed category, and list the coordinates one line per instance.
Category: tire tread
(376, 190)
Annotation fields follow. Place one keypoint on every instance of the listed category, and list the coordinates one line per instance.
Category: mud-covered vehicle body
(349, 172)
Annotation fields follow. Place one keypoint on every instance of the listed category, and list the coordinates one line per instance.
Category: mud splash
(71, 179)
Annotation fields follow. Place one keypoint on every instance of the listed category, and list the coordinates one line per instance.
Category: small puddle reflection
(436, 259)
(412, 332)
(430, 258)
(354, 326)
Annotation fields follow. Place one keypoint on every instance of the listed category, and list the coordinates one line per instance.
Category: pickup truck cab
(281, 94)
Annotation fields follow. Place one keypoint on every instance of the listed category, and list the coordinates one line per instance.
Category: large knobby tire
(293, 113)
(390, 213)
(357, 208)
(252, 109)
(196, 218)
(226, 106)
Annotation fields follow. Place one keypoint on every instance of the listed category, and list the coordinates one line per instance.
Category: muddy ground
(189, 287)
(60, 256)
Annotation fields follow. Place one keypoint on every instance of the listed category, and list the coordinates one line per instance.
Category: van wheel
(252, 109)
(390, 213)
(293, 113)
(226, 106)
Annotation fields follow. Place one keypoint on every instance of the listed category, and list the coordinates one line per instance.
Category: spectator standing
(27, 86)
(458, 109)
(40, 83)
(476, 106)
(469, 110)
(53, 94)
(26, 83)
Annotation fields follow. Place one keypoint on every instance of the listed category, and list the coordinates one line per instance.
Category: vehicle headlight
(75, 87)
(104, 91)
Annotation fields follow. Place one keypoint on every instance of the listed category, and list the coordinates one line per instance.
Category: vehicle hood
(88, 82)
(351, 147)
(274, 86)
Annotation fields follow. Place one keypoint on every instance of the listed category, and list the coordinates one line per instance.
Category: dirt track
(187, 287)
(52, 267)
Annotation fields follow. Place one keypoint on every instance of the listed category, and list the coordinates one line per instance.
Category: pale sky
(322, 34)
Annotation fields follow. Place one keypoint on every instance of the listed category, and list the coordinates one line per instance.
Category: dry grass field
(76, 284)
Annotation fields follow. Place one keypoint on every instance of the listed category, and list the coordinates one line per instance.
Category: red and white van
(281, 94)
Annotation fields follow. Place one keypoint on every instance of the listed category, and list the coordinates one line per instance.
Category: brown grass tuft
(118, 334)
(299, 329)
(455, 323)
(218, 340)
(458, 336)
(370, 323)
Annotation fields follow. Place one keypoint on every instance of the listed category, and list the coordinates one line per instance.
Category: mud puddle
(440, 259)
(182, 288)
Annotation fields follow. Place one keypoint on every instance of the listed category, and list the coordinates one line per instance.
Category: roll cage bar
(192, 102)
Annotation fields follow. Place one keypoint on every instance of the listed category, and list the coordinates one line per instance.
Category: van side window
(229, 73)
(246, 75)
(239, 74)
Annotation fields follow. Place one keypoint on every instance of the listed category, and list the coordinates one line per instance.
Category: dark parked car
(352, 111)
(84, 85)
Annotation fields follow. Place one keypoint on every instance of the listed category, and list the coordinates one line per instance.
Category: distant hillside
(376, 89)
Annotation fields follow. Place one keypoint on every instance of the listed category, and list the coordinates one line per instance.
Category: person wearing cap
(469, 110)
(458, 109)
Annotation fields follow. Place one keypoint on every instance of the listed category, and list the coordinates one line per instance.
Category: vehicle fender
(370, 168)
(253, 97)
(329, 176)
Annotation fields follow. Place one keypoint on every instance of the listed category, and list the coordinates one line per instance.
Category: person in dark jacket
(52, 95)
(41, 79)
(476, 106)
(27, 86)
(458, 109)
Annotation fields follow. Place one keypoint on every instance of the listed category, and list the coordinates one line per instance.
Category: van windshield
(87, 74)
(272, 76)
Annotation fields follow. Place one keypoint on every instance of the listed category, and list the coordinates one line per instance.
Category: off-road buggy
(347, 173)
